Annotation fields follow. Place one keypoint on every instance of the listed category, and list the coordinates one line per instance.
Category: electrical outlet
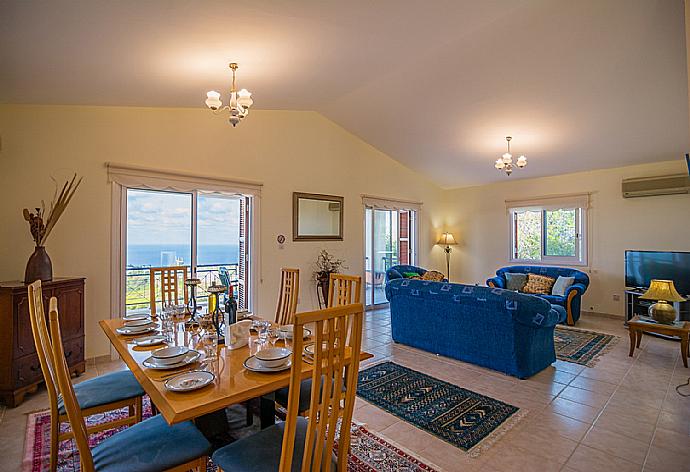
(616, 297)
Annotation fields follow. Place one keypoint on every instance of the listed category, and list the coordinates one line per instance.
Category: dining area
(184, 371)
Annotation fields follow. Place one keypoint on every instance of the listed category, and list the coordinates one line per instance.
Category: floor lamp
(447, 240)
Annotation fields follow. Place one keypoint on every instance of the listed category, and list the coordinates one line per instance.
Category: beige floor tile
(575, 410)
(408, 436)
(509, 457)
(450, 458)
(375, 418)
(626, 424)
(585, 397)
(616, 444)
(676, 423)
(663, 460)
(597, 386)
(561, 425)
(671, 441)
(587, 459)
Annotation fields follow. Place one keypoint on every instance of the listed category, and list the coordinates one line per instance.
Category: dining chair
(342, 290)
(308, 444)
(287, 298)
(149, 446)
(97, 395)
(170, 285)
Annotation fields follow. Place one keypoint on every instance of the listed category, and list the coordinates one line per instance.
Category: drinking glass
(264, 328)
(209, 342)
(273, 336)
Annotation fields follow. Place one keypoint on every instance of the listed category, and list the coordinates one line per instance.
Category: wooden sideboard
(20, 369)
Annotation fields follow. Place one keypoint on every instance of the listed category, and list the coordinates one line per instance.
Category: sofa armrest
(392, 274)
(497, 282)
(542, 320)
(580, 288)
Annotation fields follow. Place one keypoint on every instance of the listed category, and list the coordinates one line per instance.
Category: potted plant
(39, 265)
(326, 264)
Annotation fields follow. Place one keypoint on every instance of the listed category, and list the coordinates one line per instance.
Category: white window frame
(579, 202)
(123, 177)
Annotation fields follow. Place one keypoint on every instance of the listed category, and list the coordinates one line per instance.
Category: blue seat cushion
(150, 446)
(105, 389)
(553, 299)
(260, 452)
(304, 395)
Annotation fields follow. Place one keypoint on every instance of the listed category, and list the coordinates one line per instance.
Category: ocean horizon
(154, 255)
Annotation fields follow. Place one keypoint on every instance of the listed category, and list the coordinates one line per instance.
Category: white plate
(192, 356)
(190, 381)
(287, 333)
(137, 323)
(142, 316)
(310, 348)
(154, 340)
(127, 331)
(252, 363)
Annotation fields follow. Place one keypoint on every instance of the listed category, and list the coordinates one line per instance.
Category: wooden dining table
(233, 384)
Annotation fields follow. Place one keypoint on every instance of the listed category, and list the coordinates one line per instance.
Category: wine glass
(273, 336)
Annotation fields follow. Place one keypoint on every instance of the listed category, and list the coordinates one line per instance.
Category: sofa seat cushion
(260, 452)
(105, 389)
(538, 284)
(553, 299)
(150, 446)
(515, 281)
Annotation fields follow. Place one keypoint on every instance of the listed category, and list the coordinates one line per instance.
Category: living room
(352, 109)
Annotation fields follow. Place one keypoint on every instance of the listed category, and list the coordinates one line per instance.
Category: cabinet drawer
(27, 370)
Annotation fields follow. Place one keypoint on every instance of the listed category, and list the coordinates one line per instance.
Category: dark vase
(322, 282)
(39, 267)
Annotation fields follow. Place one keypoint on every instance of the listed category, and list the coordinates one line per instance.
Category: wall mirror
(317, 217)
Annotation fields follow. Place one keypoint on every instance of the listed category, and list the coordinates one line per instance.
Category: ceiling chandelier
(505, 162)
(240, 101)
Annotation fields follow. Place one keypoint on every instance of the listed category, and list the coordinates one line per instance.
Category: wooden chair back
(335, 365)
(170, 285)
(287, 298)
(69, 398)
(44, 347)
(344, 289)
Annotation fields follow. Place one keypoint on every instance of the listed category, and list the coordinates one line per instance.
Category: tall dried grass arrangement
(41, 228)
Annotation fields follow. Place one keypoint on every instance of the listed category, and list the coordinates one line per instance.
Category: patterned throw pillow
(433, 276)
(539, 284)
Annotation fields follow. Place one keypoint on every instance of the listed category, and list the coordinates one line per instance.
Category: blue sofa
(503, 330)
(572, 300)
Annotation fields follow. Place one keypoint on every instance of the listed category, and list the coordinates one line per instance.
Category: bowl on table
(273, 357)
(169, 355)
(286, 332)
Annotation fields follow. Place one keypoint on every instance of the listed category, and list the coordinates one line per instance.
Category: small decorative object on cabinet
(326, 264)
(39, 266)
(20, 369)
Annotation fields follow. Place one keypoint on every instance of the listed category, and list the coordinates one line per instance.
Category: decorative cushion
(150, 446)
(538, 284)
(105, 389)
(561, 285)
(260, 452)
(515, 281)
(433, 276)
(410, 275)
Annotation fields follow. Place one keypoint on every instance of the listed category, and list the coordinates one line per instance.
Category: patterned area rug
(463, 418)
(580, 346)
(368, 452)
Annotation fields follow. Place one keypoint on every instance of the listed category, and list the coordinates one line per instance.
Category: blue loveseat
(503, 330)
(573, 295)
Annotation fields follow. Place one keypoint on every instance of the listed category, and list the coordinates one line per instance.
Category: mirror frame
(296, 196)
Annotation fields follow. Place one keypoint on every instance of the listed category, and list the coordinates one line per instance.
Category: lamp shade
(662, 290)
(447, 239)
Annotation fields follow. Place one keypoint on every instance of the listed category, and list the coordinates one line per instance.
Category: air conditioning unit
(652, 186)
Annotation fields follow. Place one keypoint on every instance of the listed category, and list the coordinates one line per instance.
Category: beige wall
(478, 216)
(286, 150)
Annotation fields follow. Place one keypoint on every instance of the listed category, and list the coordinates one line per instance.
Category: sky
(155, 217)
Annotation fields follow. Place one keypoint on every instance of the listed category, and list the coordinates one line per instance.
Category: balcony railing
(138, 285)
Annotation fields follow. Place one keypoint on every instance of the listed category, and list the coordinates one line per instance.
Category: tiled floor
(624, 414)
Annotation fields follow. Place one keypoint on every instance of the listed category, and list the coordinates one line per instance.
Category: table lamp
(447, 240)
(663, 291)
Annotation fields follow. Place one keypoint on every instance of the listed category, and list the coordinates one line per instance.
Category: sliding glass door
(389, 241)
(205, 232)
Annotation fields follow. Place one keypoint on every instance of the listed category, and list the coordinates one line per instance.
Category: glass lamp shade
(447, 239)
(244, 98)
(522, 161)
(507, 158)
(499, 164)
(213, 100)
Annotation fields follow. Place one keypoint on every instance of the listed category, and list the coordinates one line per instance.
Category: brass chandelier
(505, 162)
(240, 101)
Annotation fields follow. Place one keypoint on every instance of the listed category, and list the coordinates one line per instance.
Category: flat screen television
(643, 266)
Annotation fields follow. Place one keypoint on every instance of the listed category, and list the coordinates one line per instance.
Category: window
(164, 218)
(549, 231)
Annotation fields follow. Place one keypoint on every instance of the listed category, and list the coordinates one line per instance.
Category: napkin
(238, 334)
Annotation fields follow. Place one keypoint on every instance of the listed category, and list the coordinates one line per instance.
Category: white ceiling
(435, 84)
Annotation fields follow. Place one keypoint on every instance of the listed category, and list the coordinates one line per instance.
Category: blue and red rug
(580, 346)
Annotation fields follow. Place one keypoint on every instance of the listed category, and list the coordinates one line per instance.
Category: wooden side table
(681, 329)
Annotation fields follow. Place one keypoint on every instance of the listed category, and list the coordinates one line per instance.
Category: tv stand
(634, 305)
